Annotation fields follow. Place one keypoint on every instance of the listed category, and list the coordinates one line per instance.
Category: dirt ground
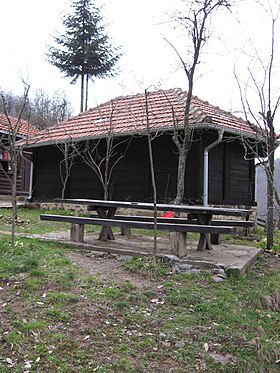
(109, 267)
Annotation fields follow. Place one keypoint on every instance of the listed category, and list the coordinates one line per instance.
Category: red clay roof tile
(127, 115)
(20, 126)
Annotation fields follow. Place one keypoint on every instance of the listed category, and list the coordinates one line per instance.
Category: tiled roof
(127, 115)
(21, 127)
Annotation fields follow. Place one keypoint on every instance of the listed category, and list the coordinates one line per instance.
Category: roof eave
(213, 126)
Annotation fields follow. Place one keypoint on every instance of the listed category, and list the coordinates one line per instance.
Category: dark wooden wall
(231, 177)
(46, 177)
(23, 178)
(5, 187)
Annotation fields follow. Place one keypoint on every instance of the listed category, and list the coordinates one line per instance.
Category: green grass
(117, 327)
(29, 221)
(256, 238)
(58, 317)
(147, 266)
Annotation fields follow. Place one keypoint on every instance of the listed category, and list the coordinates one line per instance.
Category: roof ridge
(128, 97)
(219, 109)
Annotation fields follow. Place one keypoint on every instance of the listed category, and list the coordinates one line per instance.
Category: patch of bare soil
(109, 267)
(272, 260)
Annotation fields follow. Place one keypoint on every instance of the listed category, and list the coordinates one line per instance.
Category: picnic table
(200, 219)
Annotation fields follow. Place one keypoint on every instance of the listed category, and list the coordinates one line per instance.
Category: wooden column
(178, 242)
(77, 232)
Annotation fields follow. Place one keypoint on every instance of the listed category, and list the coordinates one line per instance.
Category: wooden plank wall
(5, 184)
(25, 176)
(46, 178)
(231, 177)
(229, 173)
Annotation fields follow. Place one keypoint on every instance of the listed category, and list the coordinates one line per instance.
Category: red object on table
(169, 214)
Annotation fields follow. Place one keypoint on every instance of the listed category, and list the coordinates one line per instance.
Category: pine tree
(84, 49)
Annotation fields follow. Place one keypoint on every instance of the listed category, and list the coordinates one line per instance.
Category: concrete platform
(230, 259)
(8, 204)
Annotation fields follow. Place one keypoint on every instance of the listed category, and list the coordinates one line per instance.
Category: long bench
(215, 237)
(78, 223)
(226, 223)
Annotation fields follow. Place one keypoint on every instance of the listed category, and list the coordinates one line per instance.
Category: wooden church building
(60, 168)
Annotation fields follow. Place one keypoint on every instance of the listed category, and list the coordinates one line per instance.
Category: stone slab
(232, 259)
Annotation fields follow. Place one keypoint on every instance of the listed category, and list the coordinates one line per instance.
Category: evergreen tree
(83, 50)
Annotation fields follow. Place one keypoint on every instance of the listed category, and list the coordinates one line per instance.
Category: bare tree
(41, 110)
(102, 155)
(69, 154)
(195, 23)
(154, 187)
(8, 143)
(260, 89)
(47, 111)
(12, 105)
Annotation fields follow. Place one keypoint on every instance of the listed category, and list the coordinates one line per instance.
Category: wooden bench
(197, 217)
(227, 223)
(215, 237)
(78, 223)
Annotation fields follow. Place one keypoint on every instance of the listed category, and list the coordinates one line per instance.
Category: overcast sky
(27, 28)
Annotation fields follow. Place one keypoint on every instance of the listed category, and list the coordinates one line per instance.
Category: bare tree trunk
(14, 199)
(65, 166)
(152, 175)
(270, 184)
(9, 143)
(107, 167)
(86, 100)
(270, 215)
(82, 92)
(181, 177)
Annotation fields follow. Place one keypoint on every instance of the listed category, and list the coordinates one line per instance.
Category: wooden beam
(229, 223)
(199, 228)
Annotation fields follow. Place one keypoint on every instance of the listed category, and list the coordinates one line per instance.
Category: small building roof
(22, 127)
(128, 116)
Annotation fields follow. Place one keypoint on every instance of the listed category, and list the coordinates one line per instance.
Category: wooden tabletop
(161, 207)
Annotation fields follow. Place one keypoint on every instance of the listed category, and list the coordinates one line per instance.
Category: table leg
(204, 242)
(125, 231)
(106, 232)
